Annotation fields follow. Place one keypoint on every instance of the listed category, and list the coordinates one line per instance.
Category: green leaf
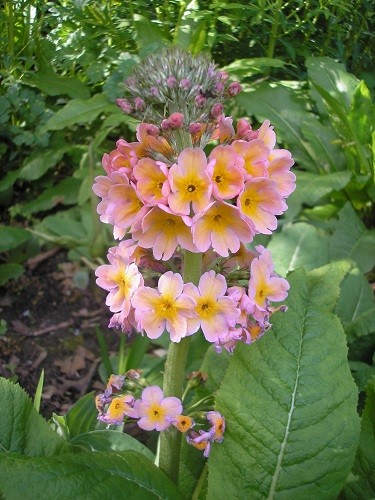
(9, 179)
(311, 188)
(356, 307)
(85, 475)
(362, 114)
(12, 237)
(298, 245)
(82, 416)
(79, 111)
(107, 440)
(22, 429)
(362, 485)
(290, 405)
(10, 271)
(147, 32)
(351, 240)
(242, 68)
(287, 114)
(38, 163)
(39, 391)
(333, 78)
(64, 193)
(362, 373)
(52, 84)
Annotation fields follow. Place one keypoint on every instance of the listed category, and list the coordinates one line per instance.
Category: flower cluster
(225, 315)
(153, 411)
(167, 199)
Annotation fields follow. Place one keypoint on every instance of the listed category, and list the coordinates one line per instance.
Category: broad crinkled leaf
(297, 245)
(53, 84)
(22, 429)
(127, 475)
(351, 240)
(290, 405)
(356, 307)
(362, 480)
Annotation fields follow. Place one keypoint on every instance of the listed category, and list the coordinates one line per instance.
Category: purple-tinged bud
(176, 120)
(234, 89)
(131, 82)
(211, 71)
(217, 110)
(195, 128)
(139, 104)
(171, 82)
(243, 126)
(219, 88)
(154, 91)
(152, 130)
(165, 125)
(223, 76)
(125, 105)
(185, 84)
(200, 100)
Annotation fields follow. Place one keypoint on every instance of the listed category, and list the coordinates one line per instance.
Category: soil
(51, 326)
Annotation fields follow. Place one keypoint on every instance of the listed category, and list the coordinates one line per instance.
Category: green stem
(275, 26)
(122, 355)
(174, 375)
(200, 483)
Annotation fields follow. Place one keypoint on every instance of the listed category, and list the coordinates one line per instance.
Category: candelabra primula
(186, 198)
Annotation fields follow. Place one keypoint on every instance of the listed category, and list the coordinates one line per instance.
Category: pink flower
(162, 231)
(152, 184)
(117, 410)
(280, 162)
(155, 411)
(260, 201)
(166, 308)
(227, 173)
(121, 279)
(189, 182)
(222, 226)
(264, 284)
(255, 154)
(267, 135)
(215, 313)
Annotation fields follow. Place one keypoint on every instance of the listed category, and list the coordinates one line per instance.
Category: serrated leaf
(52, 84)
(311, 188)
(362, 485)
(12, 237)
(356, 307)
(351, 240)
(78, 111)
(298, 245)
(22, 429)
(107, 440)
(84, 475)
(290, 405)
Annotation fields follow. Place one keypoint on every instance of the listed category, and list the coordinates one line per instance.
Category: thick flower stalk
(186, 217)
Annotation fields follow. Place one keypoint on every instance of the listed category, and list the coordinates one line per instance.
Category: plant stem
(275, 26)
(200, 482)
(174, 374)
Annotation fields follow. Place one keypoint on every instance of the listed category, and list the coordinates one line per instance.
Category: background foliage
(305, 66)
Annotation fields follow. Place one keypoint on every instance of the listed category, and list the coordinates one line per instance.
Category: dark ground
(51, 325)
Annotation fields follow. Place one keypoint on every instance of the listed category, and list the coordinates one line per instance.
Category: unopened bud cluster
(175, 90)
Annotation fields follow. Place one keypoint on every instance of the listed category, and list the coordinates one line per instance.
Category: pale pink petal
(172, 405)
(212, 285)
(152, 395)
(144, 298)
(171, 283)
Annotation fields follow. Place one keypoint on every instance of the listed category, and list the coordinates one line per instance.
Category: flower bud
(195, 128)
(125, 105)
(154, 91)
(234, 89)
(165, 125)
(176, 120)
(217, 110)
(185, 84)
(200, 100)
(139, 104)
(152, 130)
(171, 82)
